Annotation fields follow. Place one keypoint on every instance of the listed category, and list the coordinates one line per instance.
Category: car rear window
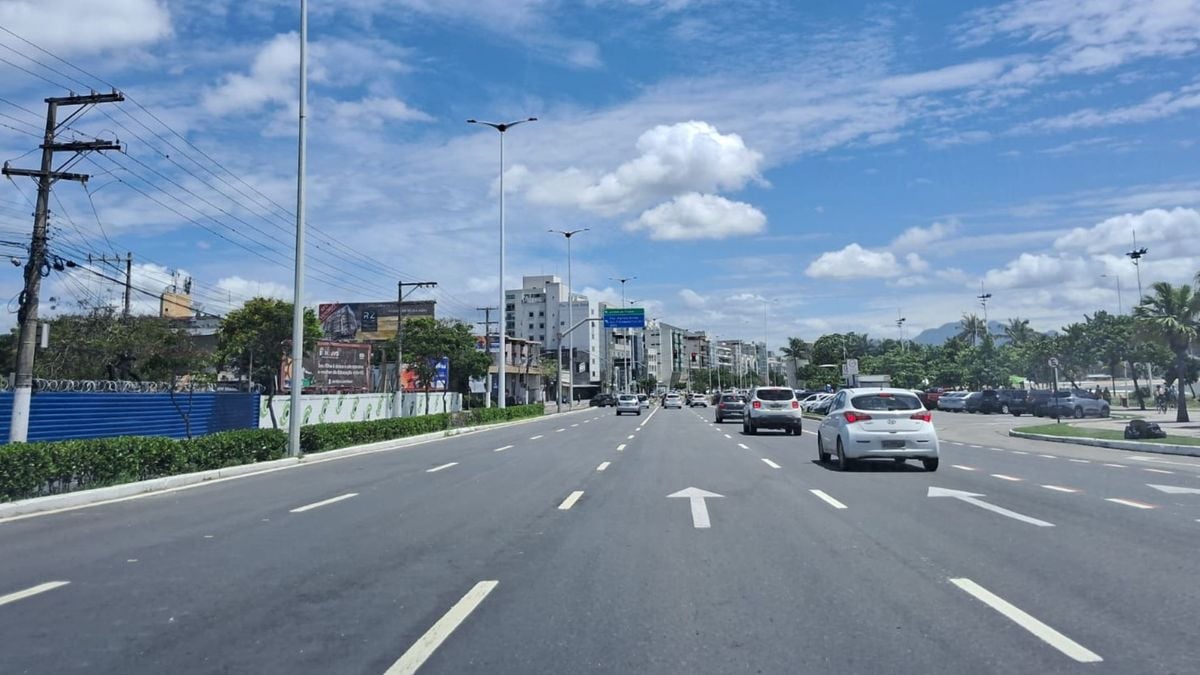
(775, 394)
(886, 402)
(730, 398)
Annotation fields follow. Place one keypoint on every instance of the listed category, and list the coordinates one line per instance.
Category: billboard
(333, 367)
(366, 321)
(441, 377)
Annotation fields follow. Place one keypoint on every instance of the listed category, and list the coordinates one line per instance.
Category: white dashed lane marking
(1130, 502)
(964, 468)
(570, 500)
(1002, 476)
(771, 464)
(1059, 488)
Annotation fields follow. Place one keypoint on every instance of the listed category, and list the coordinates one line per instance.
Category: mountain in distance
(937, 336)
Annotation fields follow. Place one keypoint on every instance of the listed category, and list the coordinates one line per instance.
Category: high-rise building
(538, 311)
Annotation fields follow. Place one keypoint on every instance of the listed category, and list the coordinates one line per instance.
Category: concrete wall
(320, 408)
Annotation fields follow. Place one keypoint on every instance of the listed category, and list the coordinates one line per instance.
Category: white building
(539, 311)
(665, 355)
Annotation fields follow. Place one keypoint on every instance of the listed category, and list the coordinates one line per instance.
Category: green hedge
(36, 469)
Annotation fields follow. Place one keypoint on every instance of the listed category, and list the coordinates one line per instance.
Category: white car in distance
(807, 403)
(877, 424)
(628, 403)
(673, 401)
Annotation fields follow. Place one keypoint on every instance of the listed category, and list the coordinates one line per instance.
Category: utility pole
(35, 268)
(900, 324)
(487, 341)
(398, 402)
(115, 262)
(983, 300)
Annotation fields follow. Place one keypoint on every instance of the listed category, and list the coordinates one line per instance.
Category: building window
(531, 315)
(530, 326)
(542, 326)
(541, 313)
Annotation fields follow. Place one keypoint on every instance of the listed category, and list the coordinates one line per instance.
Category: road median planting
(1108, 438)
(29, 470)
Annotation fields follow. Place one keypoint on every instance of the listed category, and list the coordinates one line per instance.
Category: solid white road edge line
(28, 592)
(570, 500)
(603, 466)
(828, 500)
(771, 464)
(1130, 502)
(502, 448)
(324, 502)
(1013, 613)
(439, 468)
(433, 638)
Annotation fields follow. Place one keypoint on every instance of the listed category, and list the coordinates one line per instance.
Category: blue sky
(845, 163)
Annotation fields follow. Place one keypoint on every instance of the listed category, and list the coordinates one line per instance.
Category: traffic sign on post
(629, 317)
(1053, 363)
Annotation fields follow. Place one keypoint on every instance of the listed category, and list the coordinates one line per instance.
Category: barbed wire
(130, 386)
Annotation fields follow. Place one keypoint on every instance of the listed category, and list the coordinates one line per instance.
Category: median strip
(1013, 613)
(433, 638)
(29, 592)
(324, 502)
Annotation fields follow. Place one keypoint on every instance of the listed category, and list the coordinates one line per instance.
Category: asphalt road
(553, 547)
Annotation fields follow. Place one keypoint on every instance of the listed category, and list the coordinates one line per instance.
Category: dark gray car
(730, 405)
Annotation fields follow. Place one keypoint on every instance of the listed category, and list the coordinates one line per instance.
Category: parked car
(1038, 399)
(698, 401)
(971, 400)
(730, 405)
(930, 397)
(952, 401)
(1020, 402)
(813, 399)
(1076, 403)
(877, 423)
(602, 401)
(822, 407)
(1007, 396)
(772, 408)
(628, 403)
(673, 401)
(986, 402)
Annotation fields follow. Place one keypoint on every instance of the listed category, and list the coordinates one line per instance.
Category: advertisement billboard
(366, 321)
(333, 367)
(441, 377)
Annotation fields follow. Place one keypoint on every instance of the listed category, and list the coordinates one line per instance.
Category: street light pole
(1120, 304)
(627, 345)
(1136, 256)
(503, 325)
(296, 416)
(570, 321)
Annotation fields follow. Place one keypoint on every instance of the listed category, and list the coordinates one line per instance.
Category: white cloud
(1176, 230)
(373, 112)
(271, 79)
(1031, 270)
(918, 238)
(698, 216)
(683, 157)
(916, 263)
(1091, 36)
(1161, 105)
(71, 27)
(957, 76)
(692, 300)
(854, 262)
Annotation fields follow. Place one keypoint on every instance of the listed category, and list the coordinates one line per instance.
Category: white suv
(772, 408)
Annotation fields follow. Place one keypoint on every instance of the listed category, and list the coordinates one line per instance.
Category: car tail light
(924, 416)
(757, 405)
(795, 404)
(853, 417)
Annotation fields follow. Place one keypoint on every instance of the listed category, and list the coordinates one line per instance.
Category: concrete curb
(1136, 446)
(74, 500)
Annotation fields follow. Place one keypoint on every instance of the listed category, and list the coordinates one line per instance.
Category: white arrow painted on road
(1175, 490)
(972, 498)
(699, 508)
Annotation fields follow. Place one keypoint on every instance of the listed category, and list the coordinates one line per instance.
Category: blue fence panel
(57, 416)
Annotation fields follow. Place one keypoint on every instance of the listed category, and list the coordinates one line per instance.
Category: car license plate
(892, 445)
(776, 406)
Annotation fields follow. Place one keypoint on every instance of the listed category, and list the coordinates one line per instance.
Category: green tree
(427, 340)
(1170, 315)
(971, 328)
(1018, 332)
(103, 345)
(260, 332)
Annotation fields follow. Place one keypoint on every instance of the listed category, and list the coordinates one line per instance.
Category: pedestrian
(1106, 395)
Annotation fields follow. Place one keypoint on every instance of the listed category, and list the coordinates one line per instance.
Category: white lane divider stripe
(603, 466)
(630, 437)
(743, 446)
(559, 431)
(1043, 632)
(439, 468)
(1080, 461)
(503, 448)
(570, 500)
(621, 447)
(1115, 466)
(771, 464)
(828, 500)
(1059, 488)
(964, 468)
(1158, 471)
(574, 425)
(32, 591)
(324, 502)
(534, 438)
(728, 436)
(1130, 502)
(1002, 476)
(1019, 452)
(433, 638)
(1048, 456)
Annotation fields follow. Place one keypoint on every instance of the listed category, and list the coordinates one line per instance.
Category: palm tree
(797, 349)
(1171, 315)
(971, 327)
(1018, 332)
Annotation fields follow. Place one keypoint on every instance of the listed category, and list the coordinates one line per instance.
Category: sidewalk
(552, 408)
